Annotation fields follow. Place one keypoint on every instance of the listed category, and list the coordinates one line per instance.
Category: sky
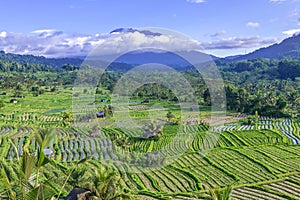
(64, 28)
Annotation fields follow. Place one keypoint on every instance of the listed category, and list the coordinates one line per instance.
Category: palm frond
(27, 165)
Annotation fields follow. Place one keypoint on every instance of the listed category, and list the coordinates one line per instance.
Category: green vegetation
(247, 158)
(44, 155)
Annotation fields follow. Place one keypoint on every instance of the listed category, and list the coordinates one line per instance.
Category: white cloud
(3, 34)
(291, 32)
(43, 31)
(136, 40)
(219, 33)
(195, 1)
(252, 24)
(240, 42)
(53, 43)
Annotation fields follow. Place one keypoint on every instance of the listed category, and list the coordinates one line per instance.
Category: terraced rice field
(262, 164)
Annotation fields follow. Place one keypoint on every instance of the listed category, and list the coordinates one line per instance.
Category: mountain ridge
(288, 48)
(32, 59)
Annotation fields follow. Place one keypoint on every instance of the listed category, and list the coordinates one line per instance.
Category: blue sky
(223, 27)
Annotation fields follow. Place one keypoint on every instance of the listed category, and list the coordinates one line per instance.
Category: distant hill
(175, 59)
(30, 59)
(288, 48)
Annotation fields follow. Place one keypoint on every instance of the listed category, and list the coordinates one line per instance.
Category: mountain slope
(30, 59)
(288, 48)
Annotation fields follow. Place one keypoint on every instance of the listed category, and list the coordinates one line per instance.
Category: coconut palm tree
(6, 191)
(124, 142)
(77, 176)
(219, 194)
(74, 172)
(103, 184)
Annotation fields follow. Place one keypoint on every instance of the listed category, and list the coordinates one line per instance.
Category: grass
(40, 104)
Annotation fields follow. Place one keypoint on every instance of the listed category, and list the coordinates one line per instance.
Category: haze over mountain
(289, 48)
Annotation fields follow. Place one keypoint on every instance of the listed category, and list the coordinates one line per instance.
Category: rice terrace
(94, 108)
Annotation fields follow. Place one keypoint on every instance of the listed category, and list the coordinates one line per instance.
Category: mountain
(131, 30)
(175, 59)
(30, 59)
(124, 62)
(288, 48)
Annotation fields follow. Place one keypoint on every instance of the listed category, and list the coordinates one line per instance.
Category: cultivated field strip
(286, 187)
(263, 124)
(245, 168)
(5, 130)
(295, 177)
(247, 193)
(286, 127)
(218, 169)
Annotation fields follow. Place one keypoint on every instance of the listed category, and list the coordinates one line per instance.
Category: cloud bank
(53, 43)
(240, 42)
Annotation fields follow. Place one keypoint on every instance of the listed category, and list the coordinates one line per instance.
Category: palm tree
(103, 184)
(6, 191)
(77, 176)
(124, 142)
(73, 173)
(219, 194)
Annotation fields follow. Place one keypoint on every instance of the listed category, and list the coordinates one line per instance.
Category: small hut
(78, 193)
(148, 135)
(146, 101)
(13, 101)
(20, 96)
(48, 152)
(100, 114)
